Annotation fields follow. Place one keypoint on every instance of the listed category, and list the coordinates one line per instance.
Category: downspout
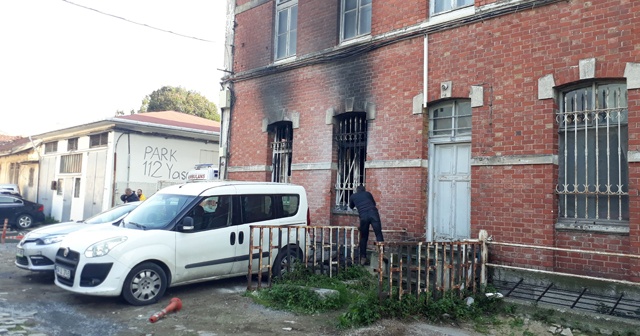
(38, 179)
(425, 114)
(225, 112)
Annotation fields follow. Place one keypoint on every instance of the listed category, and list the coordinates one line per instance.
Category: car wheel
(285, 262)
(145, 284)
(24, 221)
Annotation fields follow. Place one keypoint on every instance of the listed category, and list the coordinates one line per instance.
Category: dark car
(22, 214)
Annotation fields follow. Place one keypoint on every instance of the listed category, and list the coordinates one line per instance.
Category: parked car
(22, 214)
(171, 239)
(10, 189)
(37, 250)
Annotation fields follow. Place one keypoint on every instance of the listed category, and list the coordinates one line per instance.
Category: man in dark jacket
(129, 196)
(368, 213)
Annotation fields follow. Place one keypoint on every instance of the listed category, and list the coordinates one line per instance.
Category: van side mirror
(186, 224)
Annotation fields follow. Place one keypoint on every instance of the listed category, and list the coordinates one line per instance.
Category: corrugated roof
(8, 146)
(176, 119)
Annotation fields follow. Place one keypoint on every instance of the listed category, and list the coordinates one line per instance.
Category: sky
(63, 65)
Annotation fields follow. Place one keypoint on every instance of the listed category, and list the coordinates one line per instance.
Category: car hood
(57, 229)
(80, 240)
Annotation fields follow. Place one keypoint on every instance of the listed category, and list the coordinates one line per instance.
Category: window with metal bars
(98, 140)
(72, 144)
(450, 119)
(351, 139)
(51, 147)
(282, 150)
(593, 176)
(71, 163)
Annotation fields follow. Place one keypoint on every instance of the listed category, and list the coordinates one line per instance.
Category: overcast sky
(62, 65)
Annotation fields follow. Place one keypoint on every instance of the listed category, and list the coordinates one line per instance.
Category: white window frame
(452, 3)
(593, 167)
(359, 11)
(459, 120)
(291, 32)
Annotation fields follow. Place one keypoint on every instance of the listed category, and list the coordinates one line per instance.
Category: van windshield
(157, 211)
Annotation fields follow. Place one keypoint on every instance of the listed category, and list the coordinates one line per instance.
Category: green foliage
(300, 299)
(364, 311)
(543, 315)
(169, 98)
(50, 220)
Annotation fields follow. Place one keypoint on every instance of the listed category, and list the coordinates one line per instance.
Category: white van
(182, 234)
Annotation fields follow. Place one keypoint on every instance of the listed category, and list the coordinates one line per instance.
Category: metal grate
(282, 150)
(351, 138)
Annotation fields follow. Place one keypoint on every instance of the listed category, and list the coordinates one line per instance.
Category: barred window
(32, 173)
(76, 188)
(593, 177)
(14, 173)
(441, 6)
(51, 147)
(71, 163)
(351, 138)
(282, 150)
(98, 140)
(59, 187)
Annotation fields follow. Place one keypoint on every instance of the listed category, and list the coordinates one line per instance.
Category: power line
(138, 23)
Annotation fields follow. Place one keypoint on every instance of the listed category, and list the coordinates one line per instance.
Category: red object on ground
(4, 229)
(174, 305)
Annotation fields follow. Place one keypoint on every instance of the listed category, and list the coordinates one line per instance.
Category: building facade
(83, 170)
(515, 117)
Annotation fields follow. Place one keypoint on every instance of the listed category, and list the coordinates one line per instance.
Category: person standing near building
(368, 213)
(141, 196)
(129, 196)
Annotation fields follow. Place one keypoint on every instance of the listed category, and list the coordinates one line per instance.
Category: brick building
(517, 117)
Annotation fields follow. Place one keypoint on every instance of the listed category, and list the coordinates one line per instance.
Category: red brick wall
(506, 56)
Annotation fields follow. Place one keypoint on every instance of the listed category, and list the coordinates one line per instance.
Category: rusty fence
(401, 267)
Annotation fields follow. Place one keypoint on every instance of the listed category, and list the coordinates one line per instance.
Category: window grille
(76, 188)
(351, 138)
(286, 28)
(71, 163)
(282, 149)
(98, 140)
(356, 18)
(441, 6)
(593, 166)
(450, 119)
(59, 187)
(72, 144)
(51, 147)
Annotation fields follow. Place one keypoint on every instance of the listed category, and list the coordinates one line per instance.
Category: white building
(84, 169)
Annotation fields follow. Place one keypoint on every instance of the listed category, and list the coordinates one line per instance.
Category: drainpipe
(227, 91)
(425, 69)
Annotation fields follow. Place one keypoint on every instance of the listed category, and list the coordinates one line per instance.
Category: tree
(170, 98)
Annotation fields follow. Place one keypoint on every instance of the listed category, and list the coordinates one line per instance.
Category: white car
(37, 250)
(171, 240)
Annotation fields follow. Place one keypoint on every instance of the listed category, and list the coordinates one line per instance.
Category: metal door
(450, 197)
(94, 183)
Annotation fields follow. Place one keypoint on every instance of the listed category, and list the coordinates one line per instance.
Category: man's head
(139, 192)
(360, 188)
(128, 191)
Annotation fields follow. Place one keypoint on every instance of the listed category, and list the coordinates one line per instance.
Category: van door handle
(240, 237)
(232, 238)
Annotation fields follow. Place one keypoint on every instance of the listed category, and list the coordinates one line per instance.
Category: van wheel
(145, 284)
(286, 262)
(24, 221)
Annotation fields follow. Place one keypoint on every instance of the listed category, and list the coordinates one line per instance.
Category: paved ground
(32, 304)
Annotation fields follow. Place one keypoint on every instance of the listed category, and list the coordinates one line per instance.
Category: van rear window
(257, 208)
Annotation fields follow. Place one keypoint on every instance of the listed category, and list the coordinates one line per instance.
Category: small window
(442, 6)
(76, 188)
(450, 119)
(98, 140)
(72, 144)
(59, 187)
(14, 172)
(282, 149)
(71, 163)
(51, 147)
(286, 28)
(256, 208)
(351, 138)
(356, 18)
(32, 173)
(290, 205)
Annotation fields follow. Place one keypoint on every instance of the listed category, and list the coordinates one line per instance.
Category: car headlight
(51, 239)
(103, 248)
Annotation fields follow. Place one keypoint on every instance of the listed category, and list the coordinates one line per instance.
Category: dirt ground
(211, 308)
